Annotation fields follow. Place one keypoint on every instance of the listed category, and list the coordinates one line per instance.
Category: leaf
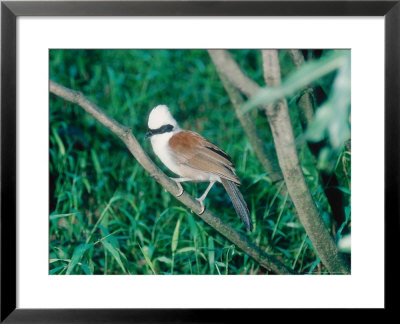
(332, 119)
(87, 184)
(318, 127)
(345, 190)
(293, 225)
(175, 236)
(324, 159)
(344, 244)
(147, 259)
(186, 249)
(77, 255)
(104, 212)
(306, 74)
(115, 252)
(211, 254)
(96, 162)
(164, 259)
(55, 216)
(193, 227)
(86, 269)
(111, 244)
(191, 249)
(263, 176)
(315, 263)
(60, 143)
(53, 271)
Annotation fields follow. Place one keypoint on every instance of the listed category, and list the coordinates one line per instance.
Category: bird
(193, 158)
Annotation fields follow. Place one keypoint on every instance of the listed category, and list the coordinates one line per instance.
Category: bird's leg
(178, 183)
(203, 196)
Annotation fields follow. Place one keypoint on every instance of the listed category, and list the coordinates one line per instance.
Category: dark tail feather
(238, 202)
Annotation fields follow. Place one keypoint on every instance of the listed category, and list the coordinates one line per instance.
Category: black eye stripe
(163, 129)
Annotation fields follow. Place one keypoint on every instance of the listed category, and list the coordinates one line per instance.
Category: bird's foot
(179, 187)
(202, 205)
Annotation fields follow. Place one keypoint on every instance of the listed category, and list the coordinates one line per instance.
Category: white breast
(161, 149)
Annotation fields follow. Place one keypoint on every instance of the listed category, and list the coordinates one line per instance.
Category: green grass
(108, 216)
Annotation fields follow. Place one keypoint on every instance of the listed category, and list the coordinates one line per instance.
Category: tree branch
(330, 181)
(266, 158)
(125, 134)
(227, 65)
(306, 100)
(297, 57)
(282, 130)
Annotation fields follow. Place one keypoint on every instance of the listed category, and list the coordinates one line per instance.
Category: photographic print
(199, 162)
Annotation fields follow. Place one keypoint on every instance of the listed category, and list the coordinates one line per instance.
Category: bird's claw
(202, 206)
(180, 188)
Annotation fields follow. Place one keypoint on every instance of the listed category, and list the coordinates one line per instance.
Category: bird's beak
(148, 134)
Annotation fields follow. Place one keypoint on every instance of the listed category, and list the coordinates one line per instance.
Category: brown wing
(205, 157)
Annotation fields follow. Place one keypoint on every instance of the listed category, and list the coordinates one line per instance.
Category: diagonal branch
(266, 158)
(125, 134)
(227, 65)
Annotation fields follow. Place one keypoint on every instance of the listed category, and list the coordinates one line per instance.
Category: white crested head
(160, 116)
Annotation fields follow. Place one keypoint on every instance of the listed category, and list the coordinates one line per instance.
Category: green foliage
(332, 118)
(108, 216)
(307, 74)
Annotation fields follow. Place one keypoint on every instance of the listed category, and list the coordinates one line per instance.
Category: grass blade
(77, 255)
(114, 252)
(211, 254)
(60, 143)
(112, 200)
(148, 261)
(96, 162)
(175, 236)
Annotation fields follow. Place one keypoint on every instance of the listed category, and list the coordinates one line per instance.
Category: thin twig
(306, 100)
(125, 134)
(266, 158)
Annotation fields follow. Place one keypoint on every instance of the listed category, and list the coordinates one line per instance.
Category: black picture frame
(9, 13)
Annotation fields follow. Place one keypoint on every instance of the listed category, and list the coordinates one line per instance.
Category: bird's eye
(168, 128)
(161, 130)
